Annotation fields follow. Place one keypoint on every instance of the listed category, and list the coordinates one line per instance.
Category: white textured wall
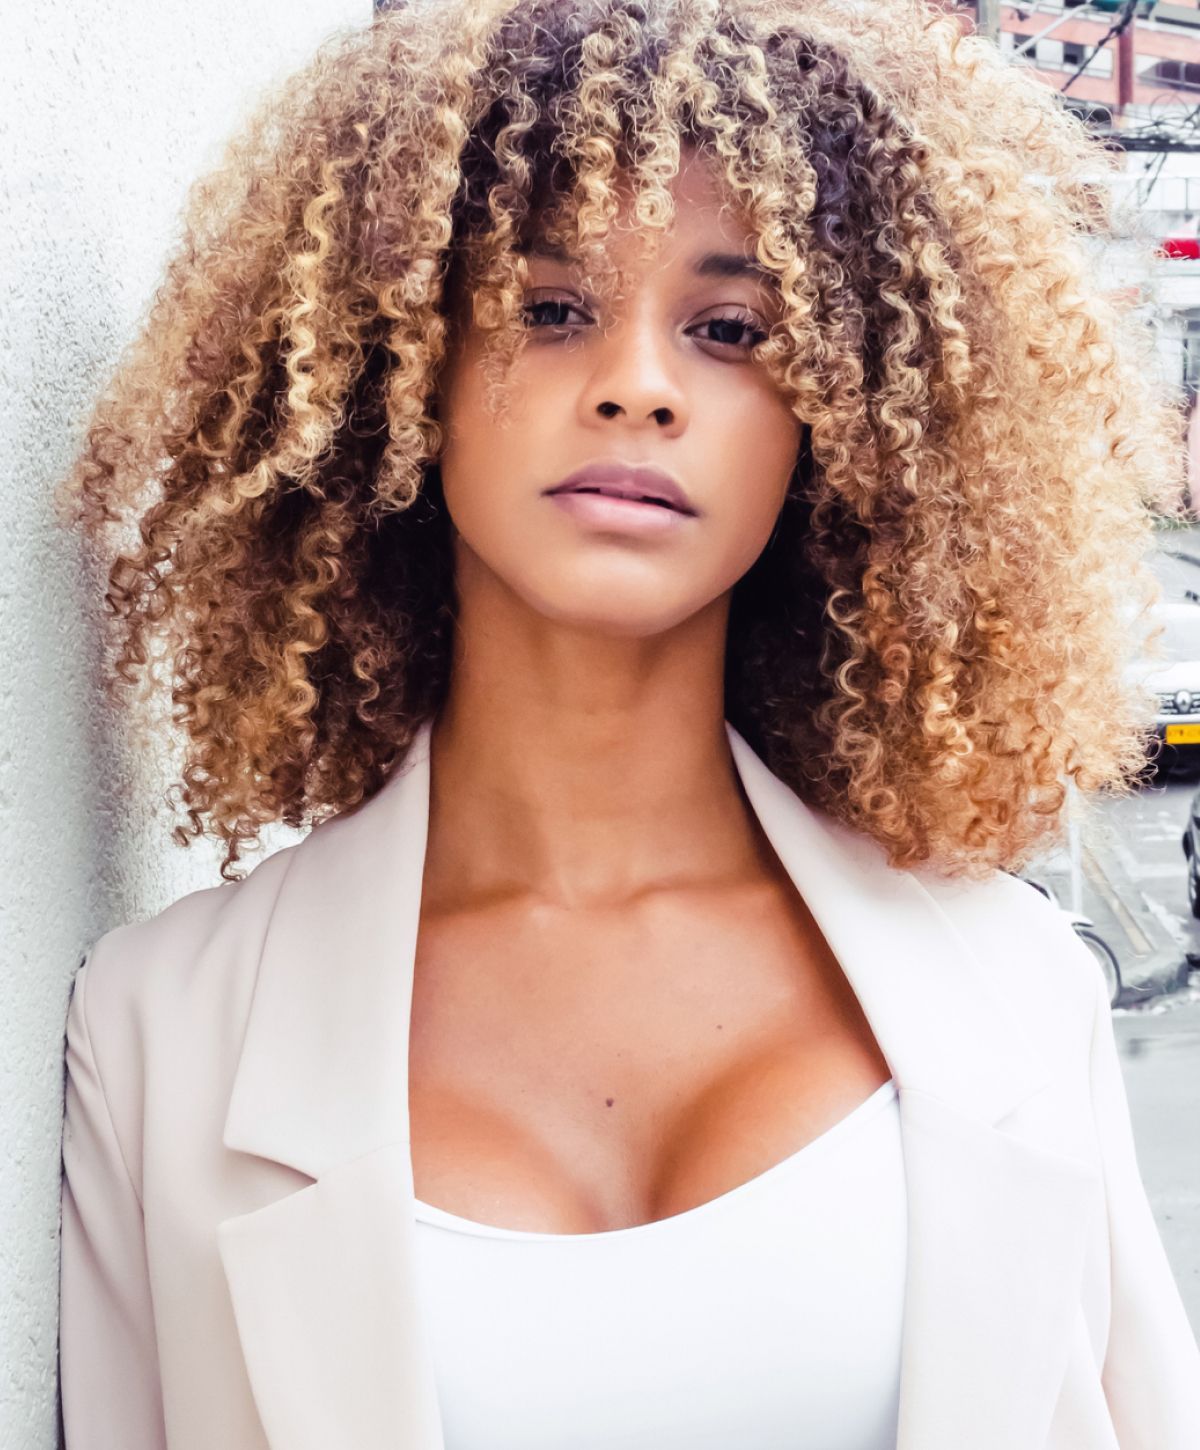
(107, 110)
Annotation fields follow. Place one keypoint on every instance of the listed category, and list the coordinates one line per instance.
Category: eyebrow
(730, 265)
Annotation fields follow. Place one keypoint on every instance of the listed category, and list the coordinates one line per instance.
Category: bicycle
(1103, 953)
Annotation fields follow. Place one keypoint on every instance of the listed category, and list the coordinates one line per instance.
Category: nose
(635, 381)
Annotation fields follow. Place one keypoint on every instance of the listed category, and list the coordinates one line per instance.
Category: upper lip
(627, 480)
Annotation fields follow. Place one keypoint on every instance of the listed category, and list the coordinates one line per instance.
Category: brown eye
(740, 331)
(549, 312)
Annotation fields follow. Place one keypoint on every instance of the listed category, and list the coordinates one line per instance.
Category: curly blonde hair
(931, 645)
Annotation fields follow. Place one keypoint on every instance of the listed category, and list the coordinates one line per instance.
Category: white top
(767, 1318)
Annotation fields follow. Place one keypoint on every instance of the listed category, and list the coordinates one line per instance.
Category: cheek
(474, 446)
(490, 462)
(759, 456)
(738, 448)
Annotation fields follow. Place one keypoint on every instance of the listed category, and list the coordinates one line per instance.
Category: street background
(1134, 890)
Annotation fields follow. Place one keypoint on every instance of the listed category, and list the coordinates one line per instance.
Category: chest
(572, 1072)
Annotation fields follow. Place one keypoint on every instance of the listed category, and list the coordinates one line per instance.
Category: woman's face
(664, 382)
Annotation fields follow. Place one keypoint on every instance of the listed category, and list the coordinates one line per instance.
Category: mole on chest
(610, 1159)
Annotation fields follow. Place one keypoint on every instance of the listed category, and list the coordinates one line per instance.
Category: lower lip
(620, 515)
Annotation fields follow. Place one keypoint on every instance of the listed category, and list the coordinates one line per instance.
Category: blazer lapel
(323, 1279)
(995, 1238)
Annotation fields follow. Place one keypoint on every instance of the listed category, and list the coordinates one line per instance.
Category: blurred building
(1131, 70)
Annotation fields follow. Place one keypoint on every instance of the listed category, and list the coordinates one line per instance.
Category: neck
(580, 767)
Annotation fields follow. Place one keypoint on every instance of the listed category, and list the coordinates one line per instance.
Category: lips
(641, 482)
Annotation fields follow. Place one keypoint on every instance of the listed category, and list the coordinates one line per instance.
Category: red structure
(1154, 63)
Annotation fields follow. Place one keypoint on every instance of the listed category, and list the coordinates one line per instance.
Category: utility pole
(987, 19)
(1126, 69)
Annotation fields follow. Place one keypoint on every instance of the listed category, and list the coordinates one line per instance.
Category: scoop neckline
(433, 1217)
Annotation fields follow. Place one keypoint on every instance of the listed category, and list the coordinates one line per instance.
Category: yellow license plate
(1183, 734)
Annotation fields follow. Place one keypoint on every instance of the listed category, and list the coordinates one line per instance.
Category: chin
(612, 616)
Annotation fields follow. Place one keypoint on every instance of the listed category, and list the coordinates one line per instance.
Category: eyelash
(745, 319)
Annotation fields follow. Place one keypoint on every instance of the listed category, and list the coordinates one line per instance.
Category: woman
(628, 476)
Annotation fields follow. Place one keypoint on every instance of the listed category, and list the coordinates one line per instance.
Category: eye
(550, 313)
(739, 330)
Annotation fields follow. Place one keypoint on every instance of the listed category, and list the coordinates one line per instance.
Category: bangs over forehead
(584, 115)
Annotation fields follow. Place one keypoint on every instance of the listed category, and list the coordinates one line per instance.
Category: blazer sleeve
(108, 1358)
(1151, 1374)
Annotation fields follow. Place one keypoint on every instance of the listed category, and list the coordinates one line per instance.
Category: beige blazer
(238, 1235)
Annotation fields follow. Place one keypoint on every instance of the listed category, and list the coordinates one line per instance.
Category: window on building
(1074, 54)
(1181, 73)
(1188, 323)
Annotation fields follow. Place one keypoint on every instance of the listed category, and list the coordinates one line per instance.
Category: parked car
(1175, 679)
(1191, 849)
